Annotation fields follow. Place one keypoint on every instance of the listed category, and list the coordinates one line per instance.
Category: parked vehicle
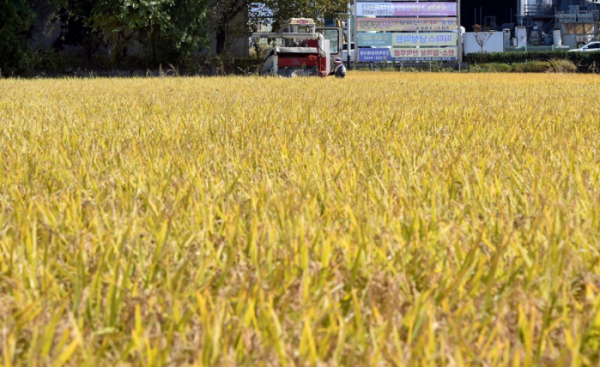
(590, 47)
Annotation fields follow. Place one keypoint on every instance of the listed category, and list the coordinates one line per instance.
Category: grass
(497, 67)
(384, 219)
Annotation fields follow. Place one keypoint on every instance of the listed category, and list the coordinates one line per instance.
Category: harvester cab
(305, 49)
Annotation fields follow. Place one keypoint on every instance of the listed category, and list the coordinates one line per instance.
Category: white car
(590, 47)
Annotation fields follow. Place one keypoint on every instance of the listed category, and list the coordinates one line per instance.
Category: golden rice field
(387, 219)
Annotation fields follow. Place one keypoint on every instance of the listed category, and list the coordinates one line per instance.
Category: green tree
(167, 29)
(73, 17)
(317, 9)
(16, 18)
(225, 12)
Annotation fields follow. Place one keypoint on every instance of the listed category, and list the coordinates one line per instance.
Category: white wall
(494, 44)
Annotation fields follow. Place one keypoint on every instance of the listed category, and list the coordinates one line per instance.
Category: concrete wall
(494, 44)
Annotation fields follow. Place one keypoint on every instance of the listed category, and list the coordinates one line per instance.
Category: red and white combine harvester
(305, 50)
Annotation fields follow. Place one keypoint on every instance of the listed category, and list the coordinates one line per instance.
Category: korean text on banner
(405, 9)
(375, 39)
(424, 39)
(425, 54)
(407, 54)
(406, 24)
(406, 39)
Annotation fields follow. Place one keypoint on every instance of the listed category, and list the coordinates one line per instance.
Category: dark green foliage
(167, 29)
(552, 66)
(73, 16)
(286, 9)
(585, 61)
(16, 18)
(134, 33)
(37, 60)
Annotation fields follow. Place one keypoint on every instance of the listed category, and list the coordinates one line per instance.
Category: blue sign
(374, 54)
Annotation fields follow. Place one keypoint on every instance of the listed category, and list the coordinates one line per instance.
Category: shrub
(167, 29)
(584, 61)
(497, 67)
(515, 57)
(38, 60)
(533, 67)
(563, 66)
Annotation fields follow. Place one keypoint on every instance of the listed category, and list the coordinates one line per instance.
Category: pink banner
(405, 9)
(406, 24)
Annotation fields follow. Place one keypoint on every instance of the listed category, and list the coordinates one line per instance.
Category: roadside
(50, 65)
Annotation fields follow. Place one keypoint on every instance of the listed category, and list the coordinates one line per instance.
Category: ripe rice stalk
(384, 219)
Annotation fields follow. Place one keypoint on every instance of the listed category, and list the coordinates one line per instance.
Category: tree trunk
(222, 34)
(221, 40)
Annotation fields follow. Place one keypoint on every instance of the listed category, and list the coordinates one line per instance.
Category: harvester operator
(340, 69)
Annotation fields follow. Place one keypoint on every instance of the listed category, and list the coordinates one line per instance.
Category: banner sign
(406, 9)
(406, 24)
(407, 54)
(407, 39)
(375, 39)
(425, 54)
(425, 39)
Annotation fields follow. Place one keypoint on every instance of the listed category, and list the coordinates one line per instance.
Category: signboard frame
(355, 15)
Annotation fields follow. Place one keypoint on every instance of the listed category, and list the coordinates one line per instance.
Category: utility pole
(355, 35)
(349, 35)
(481, 16)
(459, 25)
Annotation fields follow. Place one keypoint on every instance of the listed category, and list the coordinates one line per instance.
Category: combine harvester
(307, 50)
